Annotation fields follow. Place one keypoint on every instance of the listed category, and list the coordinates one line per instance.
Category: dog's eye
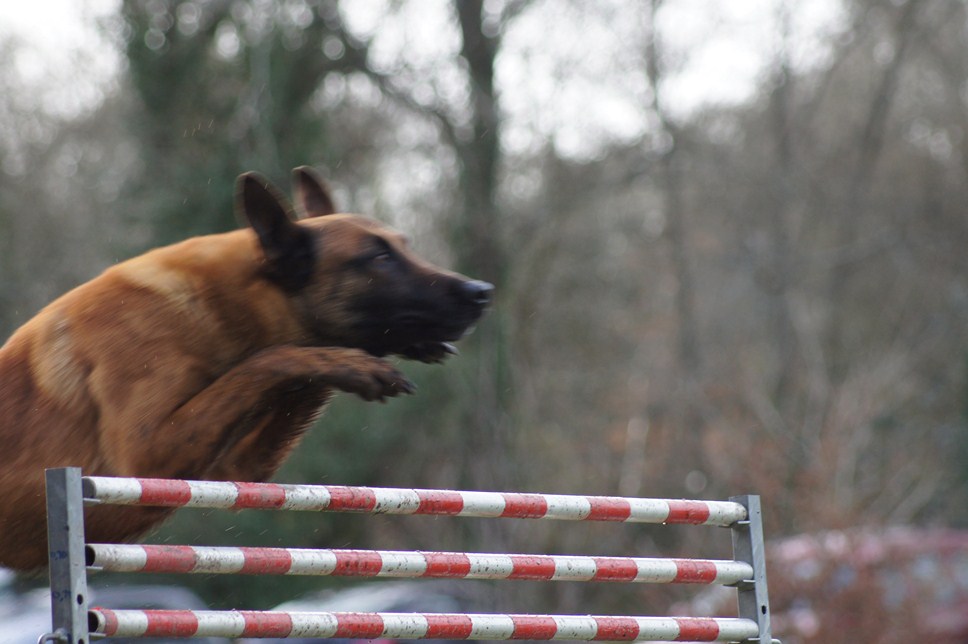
(383, 260)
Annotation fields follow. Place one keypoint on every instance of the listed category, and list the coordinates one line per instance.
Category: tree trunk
(477, 239)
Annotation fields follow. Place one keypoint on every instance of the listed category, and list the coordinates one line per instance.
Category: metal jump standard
(74, 622)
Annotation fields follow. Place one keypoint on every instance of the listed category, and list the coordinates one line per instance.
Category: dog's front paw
(371, 378)
(429, 352)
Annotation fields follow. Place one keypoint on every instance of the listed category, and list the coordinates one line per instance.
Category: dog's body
(209, 359)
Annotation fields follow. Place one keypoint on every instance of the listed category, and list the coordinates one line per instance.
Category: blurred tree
(849, 433)
(669, 179)
(60, 172)
(470, 126)
(222, 87)
(479, 242)
(867, 429)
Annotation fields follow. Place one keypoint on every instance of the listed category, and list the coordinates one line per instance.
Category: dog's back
(119, 342)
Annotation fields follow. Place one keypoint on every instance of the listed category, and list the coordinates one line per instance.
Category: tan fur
(183, 362)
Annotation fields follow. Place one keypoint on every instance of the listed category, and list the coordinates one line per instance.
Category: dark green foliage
(219, 92)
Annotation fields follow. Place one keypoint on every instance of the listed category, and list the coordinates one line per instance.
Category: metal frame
(749, 547)
(68, 570)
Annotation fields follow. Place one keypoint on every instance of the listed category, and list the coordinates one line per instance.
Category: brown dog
(210, 358)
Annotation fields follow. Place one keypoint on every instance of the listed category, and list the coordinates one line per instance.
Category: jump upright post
(74, 622)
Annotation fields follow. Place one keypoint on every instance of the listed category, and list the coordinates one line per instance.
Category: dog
(209, 359)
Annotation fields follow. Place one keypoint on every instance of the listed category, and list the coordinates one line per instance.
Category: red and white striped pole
(380, 563)
(160, 623)
(373, 500)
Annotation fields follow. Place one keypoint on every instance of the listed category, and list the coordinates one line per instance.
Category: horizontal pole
(409, 564)
(273, 496)
(184, 623)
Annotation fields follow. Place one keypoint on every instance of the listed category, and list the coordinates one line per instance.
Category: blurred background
(729, 242)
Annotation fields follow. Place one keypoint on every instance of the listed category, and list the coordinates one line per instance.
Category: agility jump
(71, 558)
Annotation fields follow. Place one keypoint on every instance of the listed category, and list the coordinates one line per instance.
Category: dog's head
(352, 281)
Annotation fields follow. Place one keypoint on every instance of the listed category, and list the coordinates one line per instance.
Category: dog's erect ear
(310, 193)
(288, 247)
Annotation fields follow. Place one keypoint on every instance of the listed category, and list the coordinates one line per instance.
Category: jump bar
(374, 500)
(184, 623)
(410, 564)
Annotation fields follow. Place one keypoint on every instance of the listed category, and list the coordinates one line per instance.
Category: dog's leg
(244, 401)
(258, 455)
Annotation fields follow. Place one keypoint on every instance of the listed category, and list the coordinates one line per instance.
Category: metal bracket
(65, 541)
(748, 546)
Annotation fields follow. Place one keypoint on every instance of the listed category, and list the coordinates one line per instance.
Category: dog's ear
(311, 193)
(288, 247)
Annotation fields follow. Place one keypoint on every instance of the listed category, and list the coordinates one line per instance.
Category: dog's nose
(477, 291)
